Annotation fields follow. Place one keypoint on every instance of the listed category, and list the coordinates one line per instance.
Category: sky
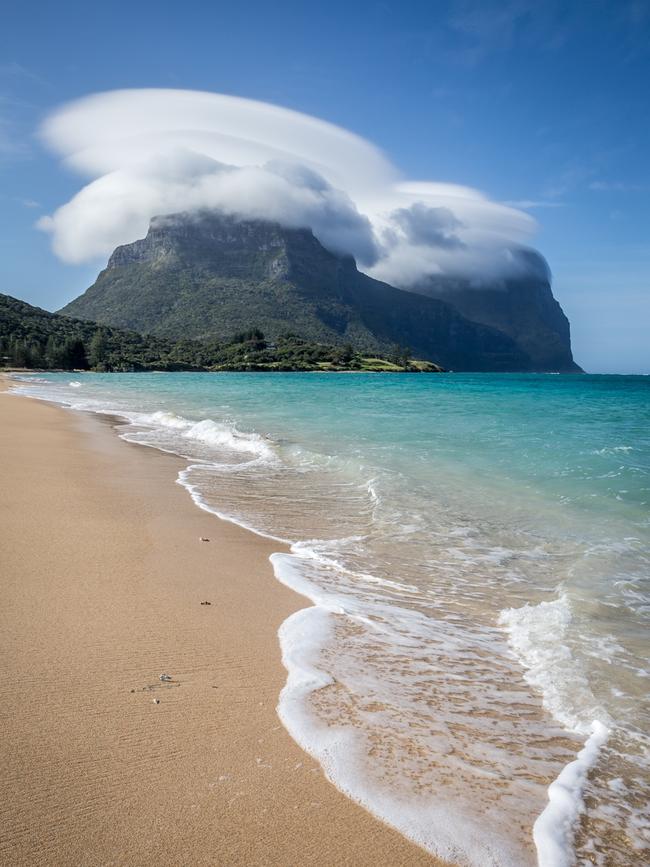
(542, 106)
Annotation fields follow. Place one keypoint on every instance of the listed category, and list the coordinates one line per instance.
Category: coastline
(104, 576)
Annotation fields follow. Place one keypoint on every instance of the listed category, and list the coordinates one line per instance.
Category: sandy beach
(103, 575)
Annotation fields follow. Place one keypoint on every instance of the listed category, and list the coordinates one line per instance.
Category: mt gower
(207, 276)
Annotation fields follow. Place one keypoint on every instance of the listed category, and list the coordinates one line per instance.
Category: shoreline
(104, 576)
(10, 371)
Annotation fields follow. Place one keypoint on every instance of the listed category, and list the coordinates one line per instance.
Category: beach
(103, 576)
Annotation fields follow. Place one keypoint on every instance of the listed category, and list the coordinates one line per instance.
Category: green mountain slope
(33, 338)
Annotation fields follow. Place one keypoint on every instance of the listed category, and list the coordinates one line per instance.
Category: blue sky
(540, 103)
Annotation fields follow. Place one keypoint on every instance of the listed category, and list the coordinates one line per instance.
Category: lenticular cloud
(152, 152)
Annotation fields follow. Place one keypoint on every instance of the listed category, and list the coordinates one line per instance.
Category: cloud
(117, 207)
(17, 70)
(483, 28)
(427, 226)
(478, 235)
(110, 131)
(151, 152)
(531, 204)
(12, 144)
(616, 187)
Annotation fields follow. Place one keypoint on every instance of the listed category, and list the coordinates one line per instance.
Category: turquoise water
(477, 550)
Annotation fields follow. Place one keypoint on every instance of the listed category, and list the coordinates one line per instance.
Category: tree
(73, 355)
(98, 349)
(52, 352)
(35, 355)
(347, 353)
(254, 337)
(18, 353)
(401, 355)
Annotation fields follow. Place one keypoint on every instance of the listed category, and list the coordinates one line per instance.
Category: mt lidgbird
(208, 276)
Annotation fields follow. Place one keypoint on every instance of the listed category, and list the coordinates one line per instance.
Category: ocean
(471, 664)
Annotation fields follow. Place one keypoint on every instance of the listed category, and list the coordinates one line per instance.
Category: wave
(553, 829)
(209, 432)
(437, 825)
(537, 635)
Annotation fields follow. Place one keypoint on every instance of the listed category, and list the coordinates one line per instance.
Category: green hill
(34, 338)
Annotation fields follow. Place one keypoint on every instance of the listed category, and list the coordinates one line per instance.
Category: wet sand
(102, 574)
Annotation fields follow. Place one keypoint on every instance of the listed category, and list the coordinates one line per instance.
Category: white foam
(164, 419)
(208, 432)
(537, 635)
(553, 829)
(447, 833)
(193, 490)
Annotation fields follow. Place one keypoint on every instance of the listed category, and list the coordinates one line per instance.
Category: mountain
(206, 276)
(523, 307)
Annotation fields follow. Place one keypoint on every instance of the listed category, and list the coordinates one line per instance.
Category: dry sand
(102, 574)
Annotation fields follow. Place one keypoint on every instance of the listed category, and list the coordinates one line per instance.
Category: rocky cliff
(521, 306)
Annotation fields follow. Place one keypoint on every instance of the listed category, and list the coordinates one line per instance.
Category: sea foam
(445, 832)
(554, 828)
(211, 433)
(538, 634)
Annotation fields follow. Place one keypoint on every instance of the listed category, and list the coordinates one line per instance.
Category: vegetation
(33, 338)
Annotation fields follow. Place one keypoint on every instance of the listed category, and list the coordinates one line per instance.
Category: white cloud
(617, 187)
(110, 131)
(482, 233)
(531, 204)
(151, 152)
(116, 208)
